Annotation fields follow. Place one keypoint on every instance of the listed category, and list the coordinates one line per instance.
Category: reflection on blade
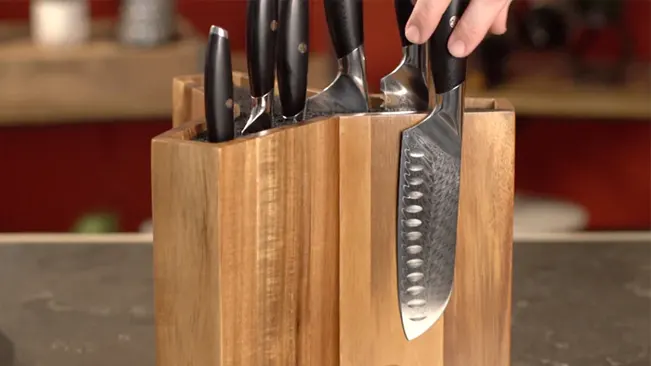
(342, 96)
(405, 88)
(428, 203)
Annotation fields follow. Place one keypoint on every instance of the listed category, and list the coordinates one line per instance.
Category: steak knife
(428, 190)
(292, 58)
(261, 27)
(218, 87)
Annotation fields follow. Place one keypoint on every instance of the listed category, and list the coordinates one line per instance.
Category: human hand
(480, 17)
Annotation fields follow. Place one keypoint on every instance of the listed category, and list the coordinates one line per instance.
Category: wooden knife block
(279, 249)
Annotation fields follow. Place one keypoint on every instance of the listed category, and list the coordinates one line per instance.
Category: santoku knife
(348, 93)
(292, 58)
(261, 27)
(218, 87)
(428, 190)
(404, 88)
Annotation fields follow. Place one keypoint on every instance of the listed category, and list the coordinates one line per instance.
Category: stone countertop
(92, 304)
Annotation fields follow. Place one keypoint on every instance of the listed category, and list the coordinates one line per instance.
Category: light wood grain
(96, 81)
(246, 248)
(475, 329)
(311, 278)
(544, 85)
(371, 330)
(478, 317)
(182, 97)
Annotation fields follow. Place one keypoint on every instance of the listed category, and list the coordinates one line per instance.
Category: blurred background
(84, 86)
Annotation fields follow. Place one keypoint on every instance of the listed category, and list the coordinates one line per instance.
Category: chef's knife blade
(262, 23)
(348, 92)
(428, 190)
(292, 61)
(218, 87)
(404, 88)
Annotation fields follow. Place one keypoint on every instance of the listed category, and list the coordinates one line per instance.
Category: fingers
(499, 25)
(424, 19)
(473, 25)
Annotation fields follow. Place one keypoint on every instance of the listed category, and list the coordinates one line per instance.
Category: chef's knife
(348, 93)
(404, 88)
(292, 58)
(428, 190)
(218, 87)
(262, 23)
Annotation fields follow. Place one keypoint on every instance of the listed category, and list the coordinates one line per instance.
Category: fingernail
(457, 48)
(412, 34)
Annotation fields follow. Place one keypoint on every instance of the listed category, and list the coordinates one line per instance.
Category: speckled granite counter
(91, 304)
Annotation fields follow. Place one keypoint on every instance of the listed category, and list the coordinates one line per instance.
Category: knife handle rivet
(229, 103)
(273, 25)
(302, 47)
(453, 21)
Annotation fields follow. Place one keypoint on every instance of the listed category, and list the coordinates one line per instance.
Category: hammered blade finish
(428, 201)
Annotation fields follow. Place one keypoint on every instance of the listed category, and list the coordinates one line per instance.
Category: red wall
(51, 175)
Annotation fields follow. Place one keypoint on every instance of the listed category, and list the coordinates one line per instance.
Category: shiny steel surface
(295, 119)
(348, 93)
(428, 202)
(405, 87)
(261, 113)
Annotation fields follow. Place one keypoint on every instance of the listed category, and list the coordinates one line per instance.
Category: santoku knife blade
(218, 87)
(262, 24)
(292, 58)
(428, 190)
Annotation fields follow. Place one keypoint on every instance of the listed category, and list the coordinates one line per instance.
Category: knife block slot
(279, 248)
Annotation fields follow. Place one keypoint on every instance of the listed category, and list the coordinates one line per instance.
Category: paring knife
(428, 190)
(348, 93)
(262, 23)
(218, 87)
(404, 88)
(292, 58)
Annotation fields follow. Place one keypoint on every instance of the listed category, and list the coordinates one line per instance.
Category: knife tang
(262, 23)
(218, 87)
(345, 24)
(448, 71)
(292, 61)
(403, 12)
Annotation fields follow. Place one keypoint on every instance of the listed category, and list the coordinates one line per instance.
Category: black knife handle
(218, 87)
(403, 12)
(292, 62)
(345, 20)
(447, 71)
(262, 24)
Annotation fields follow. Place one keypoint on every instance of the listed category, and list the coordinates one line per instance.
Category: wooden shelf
(101, 80)
(543, 86)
